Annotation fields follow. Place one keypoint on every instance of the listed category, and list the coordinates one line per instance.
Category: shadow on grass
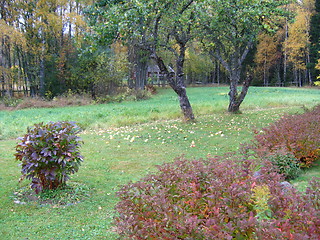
(68, 195)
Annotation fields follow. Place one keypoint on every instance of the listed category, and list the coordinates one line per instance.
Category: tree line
(49, 47)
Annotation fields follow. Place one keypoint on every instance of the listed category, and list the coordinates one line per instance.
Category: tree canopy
(227, 30)
(51, 47)
(150, 27)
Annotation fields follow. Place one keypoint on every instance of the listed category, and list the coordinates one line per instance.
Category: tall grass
(123, 142)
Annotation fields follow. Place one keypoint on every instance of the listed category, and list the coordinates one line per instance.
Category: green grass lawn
(125, 141)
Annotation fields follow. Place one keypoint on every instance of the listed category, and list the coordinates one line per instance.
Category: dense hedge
(292, 134)
(217, 198)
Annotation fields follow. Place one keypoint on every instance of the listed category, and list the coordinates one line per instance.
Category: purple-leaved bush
(49, 153)
(298, 135)
(216, 198)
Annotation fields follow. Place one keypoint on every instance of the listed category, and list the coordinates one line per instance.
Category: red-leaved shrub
(293, 134)
(216, 198)
(49, 154)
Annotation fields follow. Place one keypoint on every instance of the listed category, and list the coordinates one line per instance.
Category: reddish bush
(214, 199)
(49, 153)
(294, 134)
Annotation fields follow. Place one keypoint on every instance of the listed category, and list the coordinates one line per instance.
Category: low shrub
(215, 198)
(49, 154)
(10, 101)
(34, 102)
(109, 99)
(286, 164)
(151, 89)
(295, 134)
(37, 102)
(313, 193)
(127, 95)
(137, 95)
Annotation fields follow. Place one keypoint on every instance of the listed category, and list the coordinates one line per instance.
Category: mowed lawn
(124, 142)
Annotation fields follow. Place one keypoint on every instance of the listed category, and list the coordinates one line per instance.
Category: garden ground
(125, 141)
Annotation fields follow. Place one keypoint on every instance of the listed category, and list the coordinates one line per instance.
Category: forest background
(49, 48)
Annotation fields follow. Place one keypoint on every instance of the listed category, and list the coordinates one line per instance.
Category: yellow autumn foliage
(260, 197)
(297, 43)
(11, 34)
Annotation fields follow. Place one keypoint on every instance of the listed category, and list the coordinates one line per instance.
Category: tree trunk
(218, 73)
(233, 65)
(180, 87)
(177, 84)
(235, 98)
(295, 71)
(299, 78)
(138, 57)
(184, 103)
(42, 77)
(141, 69)
(309, 77)
(265, 83)
(233, 93)
(285, 56)
(41, 62)
(279, 81)
(2, 65)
